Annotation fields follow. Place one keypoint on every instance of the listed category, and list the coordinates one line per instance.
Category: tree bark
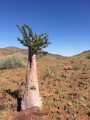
(31, 96)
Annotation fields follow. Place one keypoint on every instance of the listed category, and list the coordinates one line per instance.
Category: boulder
(28, 114)
(68, 67)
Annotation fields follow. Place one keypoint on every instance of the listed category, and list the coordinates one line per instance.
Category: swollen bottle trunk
(31, 96)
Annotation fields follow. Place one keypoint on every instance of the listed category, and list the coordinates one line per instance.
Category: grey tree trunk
(31, 96)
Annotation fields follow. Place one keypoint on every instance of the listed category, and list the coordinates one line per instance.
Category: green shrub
(48, 74)
(75, 68)
(11, 62)
(88, 57)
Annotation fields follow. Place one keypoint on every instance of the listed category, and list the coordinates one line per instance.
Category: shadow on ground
(15, 94)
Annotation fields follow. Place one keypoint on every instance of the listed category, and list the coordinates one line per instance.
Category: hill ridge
(23, 52)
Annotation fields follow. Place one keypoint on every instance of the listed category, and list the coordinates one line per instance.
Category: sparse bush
(11, 62)
(75, 68)
(48, 74)
(88, 57)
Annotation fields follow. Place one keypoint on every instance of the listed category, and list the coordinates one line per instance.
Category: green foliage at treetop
(34, 41)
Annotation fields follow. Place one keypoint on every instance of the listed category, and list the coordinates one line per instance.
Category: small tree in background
(35, 44)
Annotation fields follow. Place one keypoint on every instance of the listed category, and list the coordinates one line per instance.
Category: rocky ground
(64, 84)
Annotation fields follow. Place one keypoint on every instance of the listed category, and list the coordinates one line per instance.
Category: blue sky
(67, 22)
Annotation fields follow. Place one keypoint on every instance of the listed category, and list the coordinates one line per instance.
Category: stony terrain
(64, 85)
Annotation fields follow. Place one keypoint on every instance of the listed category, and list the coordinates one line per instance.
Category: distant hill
(22, 53)
(84, 53)
(13, 51)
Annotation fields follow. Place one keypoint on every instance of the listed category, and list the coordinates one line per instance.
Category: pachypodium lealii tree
(35, 44)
